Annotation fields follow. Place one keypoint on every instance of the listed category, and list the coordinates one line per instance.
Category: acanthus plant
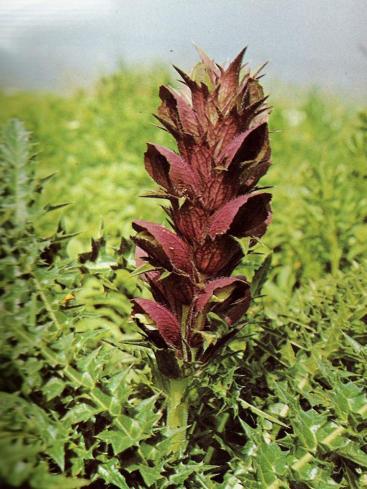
(220, 123)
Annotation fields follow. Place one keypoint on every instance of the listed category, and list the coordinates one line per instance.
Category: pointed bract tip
(237, 61)
(259, 70)
(241, 54)
(184, 76)
(203, 56)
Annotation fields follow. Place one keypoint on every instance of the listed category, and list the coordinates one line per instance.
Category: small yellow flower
(68, 298)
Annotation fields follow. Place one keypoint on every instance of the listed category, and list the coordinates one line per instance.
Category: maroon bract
(219, 122)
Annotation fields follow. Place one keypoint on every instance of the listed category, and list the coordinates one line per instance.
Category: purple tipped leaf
(250, 176)
(157, 166)
(253, 93)
(169, 170)
(235, 311)
(227, 296)
(211, 68)
(247, 215)
(230, 79)
(253, 218)
(246, 146)
(165, 322)
(190, 221)
(164, 245)
(218, 257)
(174, 291)
(168, 108)
(199, 95)
(223, 286)
(140, 256)
(188, 117)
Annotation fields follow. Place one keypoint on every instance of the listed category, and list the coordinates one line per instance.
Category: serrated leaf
(146, 415)
(349, 398)
(307, 426)
(118, 440)
(271, 463)
(109, 473)
(288, 354)
(53, 388)
(352, 452)
(150, 474)
(57, 453)
(80, 412)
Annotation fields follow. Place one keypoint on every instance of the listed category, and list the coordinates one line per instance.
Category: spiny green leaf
(109, 472)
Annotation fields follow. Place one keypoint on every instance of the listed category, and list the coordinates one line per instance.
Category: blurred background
(84, 76)
(61, 44)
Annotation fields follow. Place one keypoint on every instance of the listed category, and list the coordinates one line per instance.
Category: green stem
(177, 413)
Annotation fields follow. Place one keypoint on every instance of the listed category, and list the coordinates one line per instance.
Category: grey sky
(56, 44)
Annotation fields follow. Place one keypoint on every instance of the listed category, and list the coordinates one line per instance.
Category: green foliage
(102, 135)
(322, 186)
(282, 406)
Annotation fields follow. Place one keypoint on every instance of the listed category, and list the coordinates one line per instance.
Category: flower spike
(220, 123)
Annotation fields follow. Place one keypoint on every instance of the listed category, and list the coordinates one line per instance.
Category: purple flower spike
(220, 123)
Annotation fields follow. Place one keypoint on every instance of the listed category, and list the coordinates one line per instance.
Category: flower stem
(177, 413)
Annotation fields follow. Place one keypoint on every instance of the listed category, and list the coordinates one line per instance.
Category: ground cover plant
(81, 402)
